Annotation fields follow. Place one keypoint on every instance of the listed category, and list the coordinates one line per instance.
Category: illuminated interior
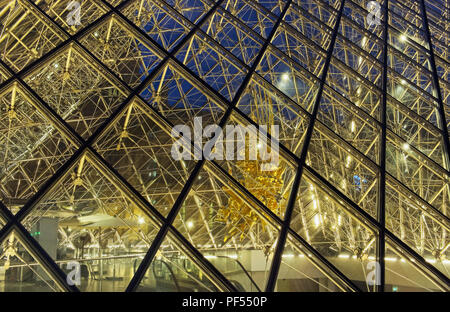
(359, 200)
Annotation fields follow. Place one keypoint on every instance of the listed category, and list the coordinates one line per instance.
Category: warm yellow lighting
(317, 220)
(141, 220)
(348, 161)
(403, 38)
(285, 77)
(190, 224)
(405, 146)
(353, 126)
(363, 41)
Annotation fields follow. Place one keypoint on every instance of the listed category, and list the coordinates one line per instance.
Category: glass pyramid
(93, 198)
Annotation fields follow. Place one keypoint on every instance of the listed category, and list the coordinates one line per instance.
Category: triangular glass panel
(263, 172)
(227, 230)
(349, 123)
(267, 106)
(180, 100)
(28, 37)
(290, 78)
(252, 15)
(31, 147)
(361, 93)
(402, 276)
(60, 11)
(415, 130)
(19, 270)
(137, 141)
(416, 225)
(334, 231)
(300, 49)
(87, 223)
(211, 63)
(421, 103)
(349, 172)
(413, 77)
(233, 36)
(158, 20)
(417, 173)
(298, 274)
(354, 59)
(118, 47)
(80, 92)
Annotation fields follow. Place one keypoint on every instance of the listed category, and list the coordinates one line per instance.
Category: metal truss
(86, 113)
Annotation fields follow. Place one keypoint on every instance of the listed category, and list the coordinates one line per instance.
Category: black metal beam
(380, 279)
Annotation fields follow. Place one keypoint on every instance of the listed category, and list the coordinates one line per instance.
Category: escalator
(177, 274)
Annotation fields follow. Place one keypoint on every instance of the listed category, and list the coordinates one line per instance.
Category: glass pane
(218, 222)
(87, 223)
(334, 231)
(32, 147)
(172, 271)
(28, 36)
(402, 276)
(77, 89)
(299, 274)
(19, 270)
